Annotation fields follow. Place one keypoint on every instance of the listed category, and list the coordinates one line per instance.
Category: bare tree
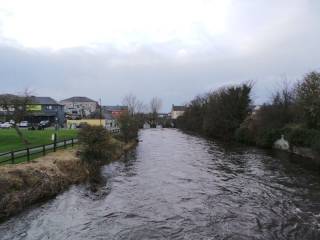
(141, 107)
(16, 107)
(155, 105)
(134, 104)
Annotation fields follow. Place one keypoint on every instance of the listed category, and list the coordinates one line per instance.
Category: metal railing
(27, 153)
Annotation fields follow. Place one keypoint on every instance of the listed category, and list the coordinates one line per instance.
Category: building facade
(79, 107)
(39, 109)
(115, 111)
(112, 124)
(177, 111)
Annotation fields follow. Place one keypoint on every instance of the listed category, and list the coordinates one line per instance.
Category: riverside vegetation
(22, 185)
(227, 114)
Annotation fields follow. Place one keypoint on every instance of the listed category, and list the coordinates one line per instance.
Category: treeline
(228, 114)
(218, 114)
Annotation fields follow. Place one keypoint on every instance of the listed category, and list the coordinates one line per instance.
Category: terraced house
(38, 109)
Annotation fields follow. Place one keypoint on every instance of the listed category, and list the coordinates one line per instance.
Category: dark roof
(33, 99)
(115, 108)
(178, 108)
(44, 101)
(78, 99)
(7, 95)
(107, 115)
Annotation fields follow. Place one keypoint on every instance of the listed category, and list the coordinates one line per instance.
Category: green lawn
(9, 139)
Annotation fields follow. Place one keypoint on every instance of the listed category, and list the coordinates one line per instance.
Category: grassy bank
(9, 139)
(22, 185)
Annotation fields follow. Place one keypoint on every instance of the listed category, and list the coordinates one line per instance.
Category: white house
(79, 106)
(177, 111)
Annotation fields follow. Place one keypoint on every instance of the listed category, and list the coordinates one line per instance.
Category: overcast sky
(173, 49)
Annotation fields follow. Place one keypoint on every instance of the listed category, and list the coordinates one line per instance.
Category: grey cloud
(289, 48)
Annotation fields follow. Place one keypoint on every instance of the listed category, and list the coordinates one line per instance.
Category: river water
(178, 186)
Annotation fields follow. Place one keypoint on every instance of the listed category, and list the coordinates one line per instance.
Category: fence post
(65, 143)
(54, 146)
(44, 150)
(28, 154)
(12, 157)
(55, 142)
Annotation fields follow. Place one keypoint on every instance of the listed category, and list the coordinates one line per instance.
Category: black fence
(40, 149)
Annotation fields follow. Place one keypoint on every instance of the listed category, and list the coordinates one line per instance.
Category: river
(179, 186)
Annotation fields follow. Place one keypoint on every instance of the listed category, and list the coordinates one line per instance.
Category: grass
(32, 156)
(10, 141)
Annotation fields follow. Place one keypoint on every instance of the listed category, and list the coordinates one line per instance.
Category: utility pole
(100, 112)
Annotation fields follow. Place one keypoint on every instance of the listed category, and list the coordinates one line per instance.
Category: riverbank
(22, 185)
(311, 157)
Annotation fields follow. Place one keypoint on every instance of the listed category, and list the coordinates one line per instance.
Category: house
(111, 123)
(163, 115)
(79, 107)
(177, 111)
(40, 109)
(115, 111)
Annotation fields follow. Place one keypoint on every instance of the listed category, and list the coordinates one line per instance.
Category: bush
(267, 137)
(96, 144)
(244, 135)
(303, 137)
(129, 127)
(316, 145)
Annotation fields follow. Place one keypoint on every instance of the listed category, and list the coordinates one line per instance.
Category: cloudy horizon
(174, 50)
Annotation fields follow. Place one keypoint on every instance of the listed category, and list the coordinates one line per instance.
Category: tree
(218, 114)
(16, 107)
(129, 127)
(308, 98)
(192, 118)
(134, 105)
(227, 108)
(155, 106)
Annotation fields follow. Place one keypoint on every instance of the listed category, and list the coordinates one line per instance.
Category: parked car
(43, 124)
(12, 122)
(24, 124)
(5, 125)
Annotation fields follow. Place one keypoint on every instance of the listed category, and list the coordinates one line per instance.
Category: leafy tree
(129, 127)
(218, 114)
(227, 108)
(308, 97)
(96, 144)
(192, 118)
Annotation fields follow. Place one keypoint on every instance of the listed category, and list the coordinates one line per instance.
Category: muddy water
(177, 186)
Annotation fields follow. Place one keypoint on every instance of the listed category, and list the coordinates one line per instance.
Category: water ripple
(179, 186)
